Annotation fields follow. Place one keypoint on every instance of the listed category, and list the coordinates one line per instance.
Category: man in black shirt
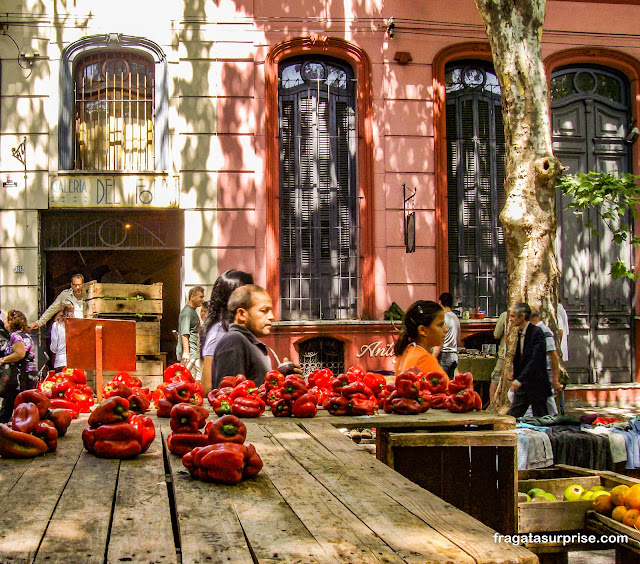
(240, 351)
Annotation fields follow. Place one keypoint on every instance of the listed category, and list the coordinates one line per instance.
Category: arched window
(319, 220)
(113, 105)
(321, 352)
(475, 187)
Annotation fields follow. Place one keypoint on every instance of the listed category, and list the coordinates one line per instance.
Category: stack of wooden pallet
(141, 303)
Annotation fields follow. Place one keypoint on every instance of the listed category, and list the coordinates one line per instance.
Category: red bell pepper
(138, 403)
(111, 410)
(355, 373)
(164, 407)
(461, 381)
(25, 418)
(82, 399)
(70, 406)
(37, 398)
(197, 399)
(178, 371)
(281, 408)
(424, 399)
(408, 384)
(60, 418)
(387, 406)
(339, 382)
(48, 433)
(187, 418)
(62, 390)
(437, 401)
(232, 381)
(252, 463)
(263, 392)
(228, 429)
(178, 392)
(248, 407)
(222, 463)
(292, 388)
(113, 440)
(436, 382)
(273, 379)
(113, 388)
(243, 390)
(221, 405)
(76, 375)
(336, 405)
(15, 444)
(320, 393)
(360, 406)
(375, 382)
(181, 443)
(322, 378)
(305, 406)
(125, 378)
(356, 389)
(273, 395)
(465, 400)
(158, 393)
(405, 406)
(144, 425)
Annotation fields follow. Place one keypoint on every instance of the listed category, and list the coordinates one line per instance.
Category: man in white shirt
(72, 296)
(447, 355)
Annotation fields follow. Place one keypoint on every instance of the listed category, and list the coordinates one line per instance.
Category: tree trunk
(514, 29)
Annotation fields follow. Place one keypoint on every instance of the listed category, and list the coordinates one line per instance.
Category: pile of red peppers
(130, 388)
(237, 396)
(115, 432)
(68, 390)
(225, 459)
(179, 386)
(415, 392)
(34, 427)
(355, 393)
(289, 396)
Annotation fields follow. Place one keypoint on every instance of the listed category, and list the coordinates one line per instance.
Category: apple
(539, 499)
(549, 496)
(533, 492)
(599, 492)
(587, 495)
(598, 489)
(573, 492)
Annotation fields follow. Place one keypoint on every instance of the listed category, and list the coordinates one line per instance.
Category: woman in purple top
(217, 321)
(19, 355)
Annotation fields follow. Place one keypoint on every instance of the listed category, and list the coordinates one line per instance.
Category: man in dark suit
(530, 380)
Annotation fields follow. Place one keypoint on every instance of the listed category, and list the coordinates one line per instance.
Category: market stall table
(319, 498)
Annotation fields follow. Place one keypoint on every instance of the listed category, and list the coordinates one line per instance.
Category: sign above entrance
(77, 190)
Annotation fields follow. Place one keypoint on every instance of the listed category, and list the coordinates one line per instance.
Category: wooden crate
(456, 466)
(148, 337)
(556, 516)
(122, 300)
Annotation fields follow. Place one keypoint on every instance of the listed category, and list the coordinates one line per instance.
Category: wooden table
(320, 498)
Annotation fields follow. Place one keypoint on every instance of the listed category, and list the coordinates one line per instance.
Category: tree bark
(514, 29)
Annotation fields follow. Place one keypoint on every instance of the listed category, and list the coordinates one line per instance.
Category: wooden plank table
(319, 498)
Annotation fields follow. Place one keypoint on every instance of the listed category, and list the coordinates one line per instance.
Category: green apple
(533, 492)
(587, 495)
(539, 499)
(598, 489)
(598, 493)
(549, 496)
(573, 492)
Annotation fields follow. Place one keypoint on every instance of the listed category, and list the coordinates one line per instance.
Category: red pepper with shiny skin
(248, 407)
(355, 373)
(273, 379)
(322, 378)
(305, 406)
(144, 425)
(138, 404)
(436, 382)
(71, 407)
(424, 399)
(111, 410)
(181, 443)
(223, 462)
(281, 408)
(221, 405)
(113, 440)
(336, 405)
(60, 419)
(405, 406)
(359, 406)
(437, 400)
(178, 371)
(31, 396)
(243, 390)
(76, 375)
(164, 407)
(273, 395)
(461, 381)
(408, 384)
(112, 388)
(356, 389)
(125, 378)
(82, 399)
(62, 390)
(232, 381)
(463, 401)
(25, 418)
(320, 393)
(339, 382)
(252, 463)
(375, 382)
(178, 392)
(197, 399)
(228, 429)
(292, 388)
(15, 444)
(187, 418)
(48, 433)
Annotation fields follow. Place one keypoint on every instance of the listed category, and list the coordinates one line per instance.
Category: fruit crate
(122, 300)
(147, 337)
(557, 516)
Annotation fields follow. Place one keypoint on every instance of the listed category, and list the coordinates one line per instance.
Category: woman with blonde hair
(19, 356)
(58, 344)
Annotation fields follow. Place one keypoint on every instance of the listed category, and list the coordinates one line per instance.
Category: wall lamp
(26, 57)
